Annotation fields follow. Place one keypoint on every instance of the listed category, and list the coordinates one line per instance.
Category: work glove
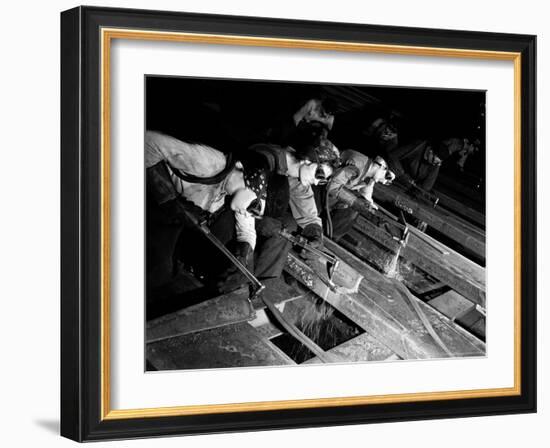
(313, 233)
(232, 279)
(268, 226)
(366, 193)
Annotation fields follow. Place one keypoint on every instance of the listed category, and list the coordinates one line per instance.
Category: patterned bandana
(256, 180)
(327, 153)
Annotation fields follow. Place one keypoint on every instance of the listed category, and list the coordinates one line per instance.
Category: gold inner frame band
(107, 35)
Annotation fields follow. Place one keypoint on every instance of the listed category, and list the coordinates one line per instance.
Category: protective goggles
(388, 175)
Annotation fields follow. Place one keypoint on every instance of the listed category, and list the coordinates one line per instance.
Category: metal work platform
(432, 307)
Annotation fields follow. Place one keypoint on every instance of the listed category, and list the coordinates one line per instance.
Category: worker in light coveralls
(198, 179)
(358, 173)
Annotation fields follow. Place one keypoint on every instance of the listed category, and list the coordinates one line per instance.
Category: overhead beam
(460, 209)
(471, 239)
(458, 272)
(455, 270)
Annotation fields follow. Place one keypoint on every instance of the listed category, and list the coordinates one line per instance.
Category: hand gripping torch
(258, 287)
(332, 261)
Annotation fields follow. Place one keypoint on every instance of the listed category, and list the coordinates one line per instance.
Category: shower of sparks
(315, 319)
(391, 268)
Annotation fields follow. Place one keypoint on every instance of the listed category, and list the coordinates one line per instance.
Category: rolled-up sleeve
(245, 229)
(302, 204)
(344, 177)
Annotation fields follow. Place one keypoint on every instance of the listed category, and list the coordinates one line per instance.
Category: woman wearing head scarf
(290, 172)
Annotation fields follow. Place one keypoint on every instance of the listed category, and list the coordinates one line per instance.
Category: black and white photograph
(294, 223)
(274, 223)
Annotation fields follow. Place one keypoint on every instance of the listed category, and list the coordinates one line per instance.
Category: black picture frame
(81, 225)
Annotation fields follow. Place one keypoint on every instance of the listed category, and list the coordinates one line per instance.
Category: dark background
(232, 114)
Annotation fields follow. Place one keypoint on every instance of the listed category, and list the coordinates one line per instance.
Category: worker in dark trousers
(461, 148)
(290, 173)
(185, 179)
(365, 132)
(416, 162)
(419, 162)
